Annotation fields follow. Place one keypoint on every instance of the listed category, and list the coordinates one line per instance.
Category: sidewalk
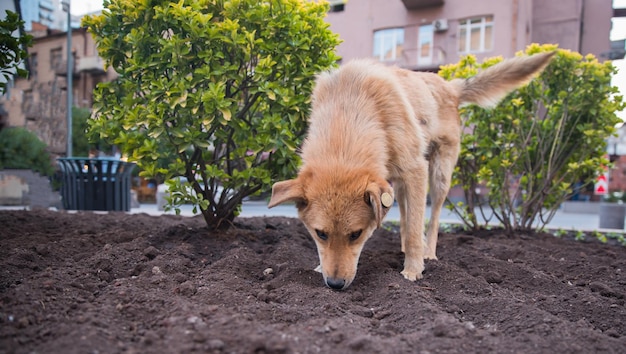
(561, 220)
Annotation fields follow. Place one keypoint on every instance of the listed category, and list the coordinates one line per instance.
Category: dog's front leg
(412, 202)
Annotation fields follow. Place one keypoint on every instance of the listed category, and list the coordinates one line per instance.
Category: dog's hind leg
(441, 165)
(400, 193)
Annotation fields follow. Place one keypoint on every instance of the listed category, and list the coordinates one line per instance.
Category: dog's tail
(489, 86)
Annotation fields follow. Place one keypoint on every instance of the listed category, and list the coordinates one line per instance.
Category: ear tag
(387, 200)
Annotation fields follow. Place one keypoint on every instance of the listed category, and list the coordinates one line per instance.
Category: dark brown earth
(120, 283)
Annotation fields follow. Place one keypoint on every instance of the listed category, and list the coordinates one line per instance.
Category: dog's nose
(335, 283)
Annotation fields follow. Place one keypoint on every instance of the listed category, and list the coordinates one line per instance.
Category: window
(56, 59)
(425, 45)
(337, 5)
(33, 66)
(476, 35)
(388, 44)
(28, 105)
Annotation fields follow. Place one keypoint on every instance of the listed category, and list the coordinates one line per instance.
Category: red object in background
(601, 187)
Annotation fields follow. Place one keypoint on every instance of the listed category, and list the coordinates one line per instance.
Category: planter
(612, 215)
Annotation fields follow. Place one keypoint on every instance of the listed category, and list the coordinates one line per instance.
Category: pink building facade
(424, 34)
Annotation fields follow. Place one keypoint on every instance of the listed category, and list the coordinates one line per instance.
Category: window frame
(28, 104)
(33, 66)
(388, 35)
(425, 35)
(56, 58)
(467, 25)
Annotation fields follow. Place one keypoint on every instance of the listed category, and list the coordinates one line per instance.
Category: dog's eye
(322, 235)
(355, 235)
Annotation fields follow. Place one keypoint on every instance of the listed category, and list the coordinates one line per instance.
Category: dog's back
(356, 111)
(351, 100)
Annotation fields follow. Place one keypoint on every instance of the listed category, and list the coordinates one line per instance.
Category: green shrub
(532, 148)
(221, 88)
(80, 142)
(21, 149)
(81, 145)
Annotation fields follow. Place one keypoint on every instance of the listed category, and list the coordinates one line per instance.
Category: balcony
(46, 4)
(420, 4)
(60, 69)
(93, 65)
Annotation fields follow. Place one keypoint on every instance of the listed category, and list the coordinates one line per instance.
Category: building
(45, 12)
(416, 34)
(424, 34)
(39, 102)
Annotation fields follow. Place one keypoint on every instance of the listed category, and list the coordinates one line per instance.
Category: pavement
(561, 220)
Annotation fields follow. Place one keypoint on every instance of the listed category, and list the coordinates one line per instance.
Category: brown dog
(372, 126)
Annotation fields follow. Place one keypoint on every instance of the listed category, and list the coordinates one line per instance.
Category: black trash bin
(95, 184)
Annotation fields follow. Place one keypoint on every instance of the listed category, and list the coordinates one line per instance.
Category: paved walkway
(561, 220)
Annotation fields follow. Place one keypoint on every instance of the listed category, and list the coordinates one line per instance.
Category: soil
(119, 283)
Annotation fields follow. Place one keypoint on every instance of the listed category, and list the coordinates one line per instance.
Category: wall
(596, 27)
(357, 23)
(39, 102)
(517, 23)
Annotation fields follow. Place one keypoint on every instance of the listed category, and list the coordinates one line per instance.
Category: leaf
(181, 100)
(226, 113)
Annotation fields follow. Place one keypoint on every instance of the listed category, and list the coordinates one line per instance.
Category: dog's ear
(287, 191)
(379, 196)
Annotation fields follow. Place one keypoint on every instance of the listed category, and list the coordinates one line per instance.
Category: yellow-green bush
(539, 141)
(221, 87)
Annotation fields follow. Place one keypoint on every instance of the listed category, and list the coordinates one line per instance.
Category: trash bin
(95, 184)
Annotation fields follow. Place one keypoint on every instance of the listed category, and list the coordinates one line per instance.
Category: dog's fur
(373, 127)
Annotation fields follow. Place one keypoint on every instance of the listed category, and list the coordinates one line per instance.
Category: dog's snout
(335, 283)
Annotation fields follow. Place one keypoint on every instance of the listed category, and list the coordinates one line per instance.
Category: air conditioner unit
(440, 25)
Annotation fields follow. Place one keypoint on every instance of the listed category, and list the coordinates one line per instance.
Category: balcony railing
(61, 68)
(93, 64)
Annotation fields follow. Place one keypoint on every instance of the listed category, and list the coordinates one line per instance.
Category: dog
(376, 132)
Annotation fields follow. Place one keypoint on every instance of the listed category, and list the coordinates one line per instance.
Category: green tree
(223, 86)
(80, 121)
(539, 142)
(12, 49)
(81, 145)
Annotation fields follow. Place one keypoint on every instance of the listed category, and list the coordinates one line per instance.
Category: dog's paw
(318, 268)
(412, 276)
(430, 256)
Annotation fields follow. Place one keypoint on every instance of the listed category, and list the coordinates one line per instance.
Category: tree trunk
(218, 221)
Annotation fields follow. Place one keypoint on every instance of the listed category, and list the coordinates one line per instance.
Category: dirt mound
(119, 283)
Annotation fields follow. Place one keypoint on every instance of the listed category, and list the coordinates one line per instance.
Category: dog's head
(341, 210)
